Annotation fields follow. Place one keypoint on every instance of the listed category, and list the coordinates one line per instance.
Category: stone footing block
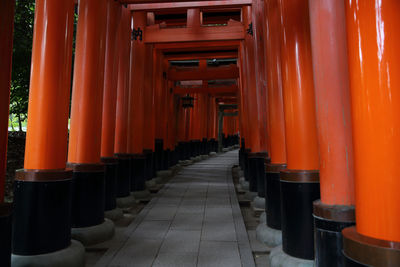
(139, 195)
(93, 235)
(74, 255)
(259, 203)
(126, 202)
(278, 258)
(263, 217)
(213, 154)
(250, 195)
(114, 215)
(268, 236)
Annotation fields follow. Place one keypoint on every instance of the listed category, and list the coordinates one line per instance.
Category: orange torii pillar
(135, 146)
(171, 134)
(43, 189)
(182, 115)
(109, 110)
(195, 127)
(160, 111)
(84, 149)
(212, 124)
(6, 48)
(149, 113)
(203, 124)
(300, 181)
(335, 210)
(272, 226)
(256, 157)
(373, 38)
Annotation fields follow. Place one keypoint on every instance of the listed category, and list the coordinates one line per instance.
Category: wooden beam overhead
(220, 90)
(215, 73)
(233, 31)
(158, 5)
(210, 55)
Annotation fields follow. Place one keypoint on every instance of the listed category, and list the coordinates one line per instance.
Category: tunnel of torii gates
(315, 86)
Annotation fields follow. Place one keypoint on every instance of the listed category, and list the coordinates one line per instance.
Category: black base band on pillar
(110, 177)
(158, 154)
(246, 163)
(257, 171)
(138, 172)
(273, 195)
(123, 172)
(149, 163)
(5, 233)
(299, 189)
(42, 211)
(88, 195)
(360, 250)
(329, 221)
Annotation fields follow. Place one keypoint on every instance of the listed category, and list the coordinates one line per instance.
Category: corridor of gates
(170, 133)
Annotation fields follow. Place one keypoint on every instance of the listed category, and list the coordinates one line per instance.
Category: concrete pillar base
(236, 146)
(263, 217)
(140, 195)
(268, 236)
(258, 203)
(278, 258)
(246, 186)
(250, 195)
(213, 154)
(242, 180)
(204, 157)
(74, 255)
(114, 215)
(164, 174)
(151, 183)
(186, 162)
(93, 235)
(126, 202)
(225, 150)
(241, 173)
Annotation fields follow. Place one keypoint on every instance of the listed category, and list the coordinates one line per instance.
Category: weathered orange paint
(149, 113)
(258, 28)
(136, 89)
(298, 87)
(87, 95)
(123, 87)
(253, 138)
(6, 47)
(110, 79)
(193, 18)
(332, 97)
(373, 39)
(160, 96)
(46, 147)
(274, 80)
(242, 95)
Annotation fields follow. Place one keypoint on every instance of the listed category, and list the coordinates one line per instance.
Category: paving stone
(181, 241)
(176, 260)
(161, 213)
(219, 231)
(151, 230)
(187, 221)
(218, 254)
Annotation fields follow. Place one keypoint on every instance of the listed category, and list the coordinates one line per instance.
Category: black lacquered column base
(123, 175)
(5, 233)
(273, 195)
(88, 195)
(158, 154)
(329, 221)
(256, 171)
(246, 164)
(42, 212)
(138, 172)
(299, 189)
(149, 164)
(360, 250)
(110, 176)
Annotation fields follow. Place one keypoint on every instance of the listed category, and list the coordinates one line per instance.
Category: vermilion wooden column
(122, 109)
(109, 104)
(372, 35)
(6, 49)
(300, 182)
(43, 189)
(6, 34)
(136, 129)
(86, 118)
(276, 119)
(327, 20)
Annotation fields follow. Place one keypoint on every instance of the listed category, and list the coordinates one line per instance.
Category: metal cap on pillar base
(111, 211)
(329, 221)
(42, 220)
(360, 250)
(88, 223)
(299, 189)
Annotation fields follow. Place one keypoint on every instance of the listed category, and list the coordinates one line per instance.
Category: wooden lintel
(155, 34)
(148, 5)
(216, 73)
(209, 55)
(220, 90)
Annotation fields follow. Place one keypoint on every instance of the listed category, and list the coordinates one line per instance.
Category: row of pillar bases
(49, 214)
(299, 222)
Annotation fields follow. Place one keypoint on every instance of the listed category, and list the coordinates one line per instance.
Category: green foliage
(22, 50)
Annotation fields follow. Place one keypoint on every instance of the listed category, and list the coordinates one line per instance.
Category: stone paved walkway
(194, 220)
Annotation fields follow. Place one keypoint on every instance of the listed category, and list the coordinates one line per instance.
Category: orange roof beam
(154, 5)
(206, 90)
(216, 73)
